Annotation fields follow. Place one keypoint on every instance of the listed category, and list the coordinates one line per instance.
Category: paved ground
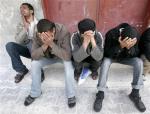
(53, 100)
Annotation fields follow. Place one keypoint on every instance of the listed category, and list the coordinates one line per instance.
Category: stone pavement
(53, 100)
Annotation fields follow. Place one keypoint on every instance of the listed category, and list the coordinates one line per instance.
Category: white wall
(9, 17)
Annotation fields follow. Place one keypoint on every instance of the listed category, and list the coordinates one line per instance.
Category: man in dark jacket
(51, 45)
(121, 46)
(144, 46)
(87, 47)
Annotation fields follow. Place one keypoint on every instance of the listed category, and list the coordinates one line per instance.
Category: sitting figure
(87, 47)
(121, 46)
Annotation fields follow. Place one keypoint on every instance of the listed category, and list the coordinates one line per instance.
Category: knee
(35, 64)
(106, 61)
(138, 62)
(10, 46)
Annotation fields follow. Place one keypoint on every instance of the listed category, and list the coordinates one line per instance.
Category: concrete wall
(9, 17)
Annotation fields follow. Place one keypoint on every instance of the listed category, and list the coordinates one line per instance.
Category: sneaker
(98, 101)
(42, 75)
(20, 76)
(28, 100)
(144, 77)
(83, 76)
(137, 102)
(71, 102)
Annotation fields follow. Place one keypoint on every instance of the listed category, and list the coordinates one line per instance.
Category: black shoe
(136, 99)
(20, 76)
(76, 77)
(42, 75)
(77, 74)
(28, 100)
(94, 75)
(98, 101)
(71, 102)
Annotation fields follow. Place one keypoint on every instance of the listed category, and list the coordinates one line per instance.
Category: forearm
(97, 53)
(60, 52)
(80, 54)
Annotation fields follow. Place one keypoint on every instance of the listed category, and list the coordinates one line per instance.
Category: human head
(129, 32)
(44, 25)
(85, 25)
(26, 9)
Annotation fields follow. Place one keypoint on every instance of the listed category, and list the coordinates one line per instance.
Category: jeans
(15, 51)
(36, 66)
(137, 72)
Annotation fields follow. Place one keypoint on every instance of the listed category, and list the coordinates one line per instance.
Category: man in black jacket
(144, 46)
(121, 46)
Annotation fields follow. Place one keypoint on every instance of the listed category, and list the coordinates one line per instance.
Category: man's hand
(127, 42)
(131, 43)
(88, 37)
(47, 38)
(25, 23)
(123, 43)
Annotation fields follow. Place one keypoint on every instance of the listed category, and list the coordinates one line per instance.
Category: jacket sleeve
(78, 52)
(21, 34)
(134, 51)
(63, 50)
(112, 47)
(145, 43)
(97, 52)
(36, 51)
(147, 53)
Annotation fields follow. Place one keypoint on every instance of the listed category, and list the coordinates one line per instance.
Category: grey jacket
(79, 53)
(21, 36)
(60, 47)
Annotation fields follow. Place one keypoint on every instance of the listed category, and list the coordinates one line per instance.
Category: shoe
(94, 75)
(29, 100)
(20, 76)
(144, 77)
(71, 102)
(77, 74)
(76, 77)
(98, 101)
(136, 99)
(42, 75)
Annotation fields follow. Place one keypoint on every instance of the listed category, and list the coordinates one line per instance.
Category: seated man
(121, 46)
(87, 47)
(144, 46)
(51, 45)
(25, 31)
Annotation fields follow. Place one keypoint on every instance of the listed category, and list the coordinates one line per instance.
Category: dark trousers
(15, 51)
(93, 65)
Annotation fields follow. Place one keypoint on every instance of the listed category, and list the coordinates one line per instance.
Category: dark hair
(45, 25)
(130, 32)
(86, 24)
(123, 25)
(29, 6)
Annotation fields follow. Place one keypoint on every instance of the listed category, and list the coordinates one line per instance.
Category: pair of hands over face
(88, 37)
(47, 37)
(127, 42)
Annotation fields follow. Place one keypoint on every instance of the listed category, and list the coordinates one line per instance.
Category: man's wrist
(44, 47)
